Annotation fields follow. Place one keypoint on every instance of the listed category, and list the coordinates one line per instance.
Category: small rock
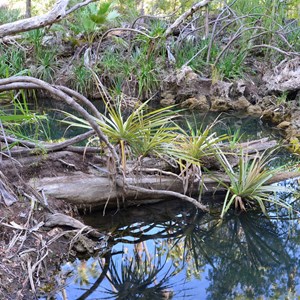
(268, 102)
(199, 103)
(221, 89)
(284, 77)
(241, 103)
(167, 102)
(185, 73)
(167, 94)
(220, 104)
(268, 114)
(278, 117)
(283, 125)
(254, 110)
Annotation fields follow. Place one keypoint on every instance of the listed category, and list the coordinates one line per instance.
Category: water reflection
(172, 251)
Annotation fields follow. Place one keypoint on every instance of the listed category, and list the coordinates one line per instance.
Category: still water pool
(172, 251)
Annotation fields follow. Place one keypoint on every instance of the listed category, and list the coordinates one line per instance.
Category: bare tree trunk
(28, 9)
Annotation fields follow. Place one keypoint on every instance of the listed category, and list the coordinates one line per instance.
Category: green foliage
(82, 24)
(128, 9)
(141, 133)
(110, 62)
(47, 65)
(294, 145)
(82, 79)
(90, 20)
(8, 15)
(248, 184)
(186, 51)
(193, 144)
(22, 122)
(35, 37)
(141, 126)
(157, 28)
(140, 68)
(153, 142)
(12, 62)
(292, 29)
(105, 13)
(146, 73)
(234, 138)
(231, 66)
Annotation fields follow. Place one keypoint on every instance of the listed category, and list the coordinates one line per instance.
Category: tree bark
(88, 191)
(28, 9)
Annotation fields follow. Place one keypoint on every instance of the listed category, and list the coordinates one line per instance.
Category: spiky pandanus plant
(248, 183)
(191, 147)
(144, 131)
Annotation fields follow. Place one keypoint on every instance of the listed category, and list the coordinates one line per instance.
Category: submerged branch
(77, 96)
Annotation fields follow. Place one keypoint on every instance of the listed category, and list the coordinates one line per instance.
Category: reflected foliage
(171, 250)
(137, 277)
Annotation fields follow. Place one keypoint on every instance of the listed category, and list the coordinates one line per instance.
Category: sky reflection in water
(171, 250)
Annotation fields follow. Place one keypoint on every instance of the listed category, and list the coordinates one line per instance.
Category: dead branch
(50, 147)
(57, 13)
(6, 194)
(79, 5)
(213, 33)
(120, 29)
(81, 99)
(184, 16)
(61, 95)
(58, 219)
(235, 37)
(77, 96)
(196, 203)
(153, 17)
(276, 49)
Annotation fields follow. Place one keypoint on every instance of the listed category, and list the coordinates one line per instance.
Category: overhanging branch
(58, 12)
(185, 15)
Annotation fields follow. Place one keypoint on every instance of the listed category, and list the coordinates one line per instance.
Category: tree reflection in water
(157, 252)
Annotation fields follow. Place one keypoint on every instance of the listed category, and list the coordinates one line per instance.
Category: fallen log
(84, 183)
(92, 192)
(88, 191)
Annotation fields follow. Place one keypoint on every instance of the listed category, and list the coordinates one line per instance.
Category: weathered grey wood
(91, 191)
(58, 219)
(55, 15)
(58, 12)
(185, 15)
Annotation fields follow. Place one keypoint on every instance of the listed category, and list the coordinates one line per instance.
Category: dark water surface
(52, 128)
(172, 250)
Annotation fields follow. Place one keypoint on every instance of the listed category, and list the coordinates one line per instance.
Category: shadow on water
(172, 251)
(50, 126)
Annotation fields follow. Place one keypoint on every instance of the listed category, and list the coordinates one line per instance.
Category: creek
(172, 251)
